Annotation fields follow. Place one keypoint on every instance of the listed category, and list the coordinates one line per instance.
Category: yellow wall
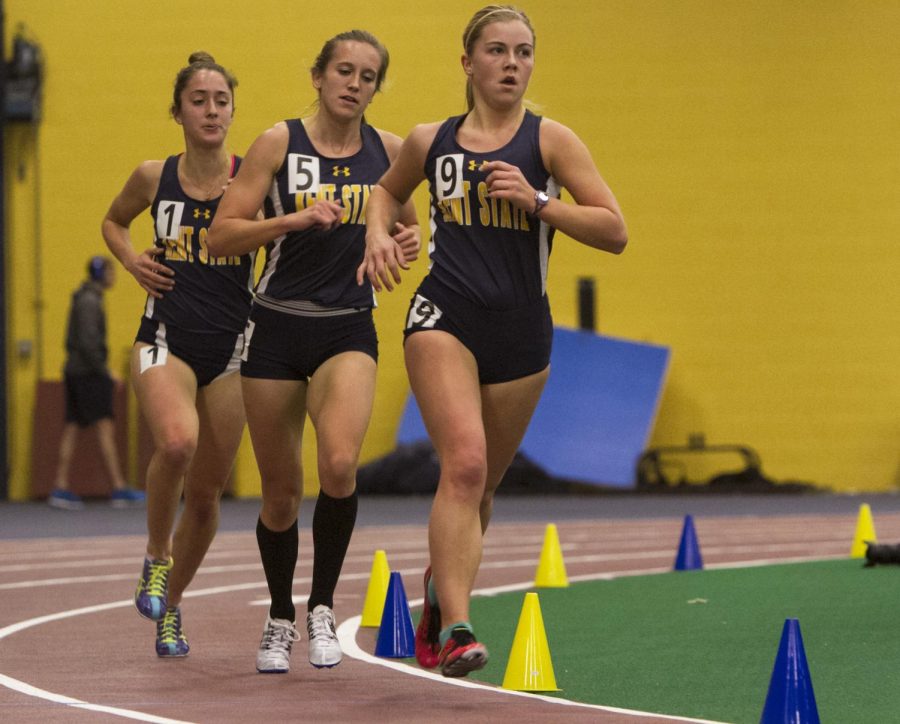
(753, 147)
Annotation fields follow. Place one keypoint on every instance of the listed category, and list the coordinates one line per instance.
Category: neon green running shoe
(170, 640)
(150, 596)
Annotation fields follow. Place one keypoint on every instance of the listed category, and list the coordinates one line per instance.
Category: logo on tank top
(179, 239)
(454, 200)
(305, 185)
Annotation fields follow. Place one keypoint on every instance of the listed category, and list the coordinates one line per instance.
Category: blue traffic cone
(688, 558)
(790, 698)
(396, 639)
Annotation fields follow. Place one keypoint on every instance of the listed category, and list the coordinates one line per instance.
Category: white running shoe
(324, 649)
(274, 655)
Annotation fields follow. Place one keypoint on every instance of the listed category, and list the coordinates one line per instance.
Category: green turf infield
(703, 643)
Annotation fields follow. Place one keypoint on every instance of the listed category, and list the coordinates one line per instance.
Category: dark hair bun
(200, 56)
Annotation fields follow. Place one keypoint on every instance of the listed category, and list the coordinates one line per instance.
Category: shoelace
(159, 574)
(169, 627)
(321, 625)
(280, 635)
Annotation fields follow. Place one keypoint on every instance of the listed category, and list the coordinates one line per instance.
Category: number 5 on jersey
(303, 174)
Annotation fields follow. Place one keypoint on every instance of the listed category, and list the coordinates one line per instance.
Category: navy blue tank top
(486, 249)
(313, 265)
(212, 293)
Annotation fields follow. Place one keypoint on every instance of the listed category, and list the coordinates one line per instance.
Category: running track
(72, 648)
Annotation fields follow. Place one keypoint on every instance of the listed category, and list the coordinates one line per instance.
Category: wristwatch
(541, 199)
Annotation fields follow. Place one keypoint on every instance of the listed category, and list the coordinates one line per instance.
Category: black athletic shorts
(210, 356)
(283, 346)
(89, 398)
(507, 344)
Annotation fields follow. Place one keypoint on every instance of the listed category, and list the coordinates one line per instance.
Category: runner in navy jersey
(311, 345)
(187, 348)
(478, 332)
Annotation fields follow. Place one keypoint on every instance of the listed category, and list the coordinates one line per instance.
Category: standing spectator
(89, 389)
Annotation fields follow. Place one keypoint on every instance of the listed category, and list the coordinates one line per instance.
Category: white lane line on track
(88, 560)
(348, 629)
(347, 635)
(663, 554)
(118, 577)
(131, 562)
(29, 690)
(25, 688)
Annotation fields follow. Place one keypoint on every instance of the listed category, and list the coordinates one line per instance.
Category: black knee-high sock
(332, 527)
(278, 552)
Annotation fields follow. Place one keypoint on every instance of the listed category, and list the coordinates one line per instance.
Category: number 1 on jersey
(168, 219)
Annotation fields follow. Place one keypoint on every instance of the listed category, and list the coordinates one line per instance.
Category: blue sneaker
(170, 640)
(127, 498)
(65, 500)
(150, 596)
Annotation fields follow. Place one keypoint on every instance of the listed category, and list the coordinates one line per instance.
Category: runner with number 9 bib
(479, 331)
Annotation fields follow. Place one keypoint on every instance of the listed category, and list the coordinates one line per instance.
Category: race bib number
(423, 314)
(448, 177)
(303, 174)
(153, 357)
(168, 219)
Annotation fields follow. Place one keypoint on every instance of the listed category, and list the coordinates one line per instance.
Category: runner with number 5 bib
(311, 346)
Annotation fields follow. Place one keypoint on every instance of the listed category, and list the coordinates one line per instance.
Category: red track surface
(69, 632)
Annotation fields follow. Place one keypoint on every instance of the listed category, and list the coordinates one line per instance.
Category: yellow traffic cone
(529, 667)
(377, 590)
(865, 531)
(551, 570)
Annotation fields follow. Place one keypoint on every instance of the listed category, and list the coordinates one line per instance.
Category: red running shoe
(462, 654)
(428, 631)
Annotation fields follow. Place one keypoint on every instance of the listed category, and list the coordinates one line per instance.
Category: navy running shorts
(507, 344)
(283, 346)
(210, 355)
